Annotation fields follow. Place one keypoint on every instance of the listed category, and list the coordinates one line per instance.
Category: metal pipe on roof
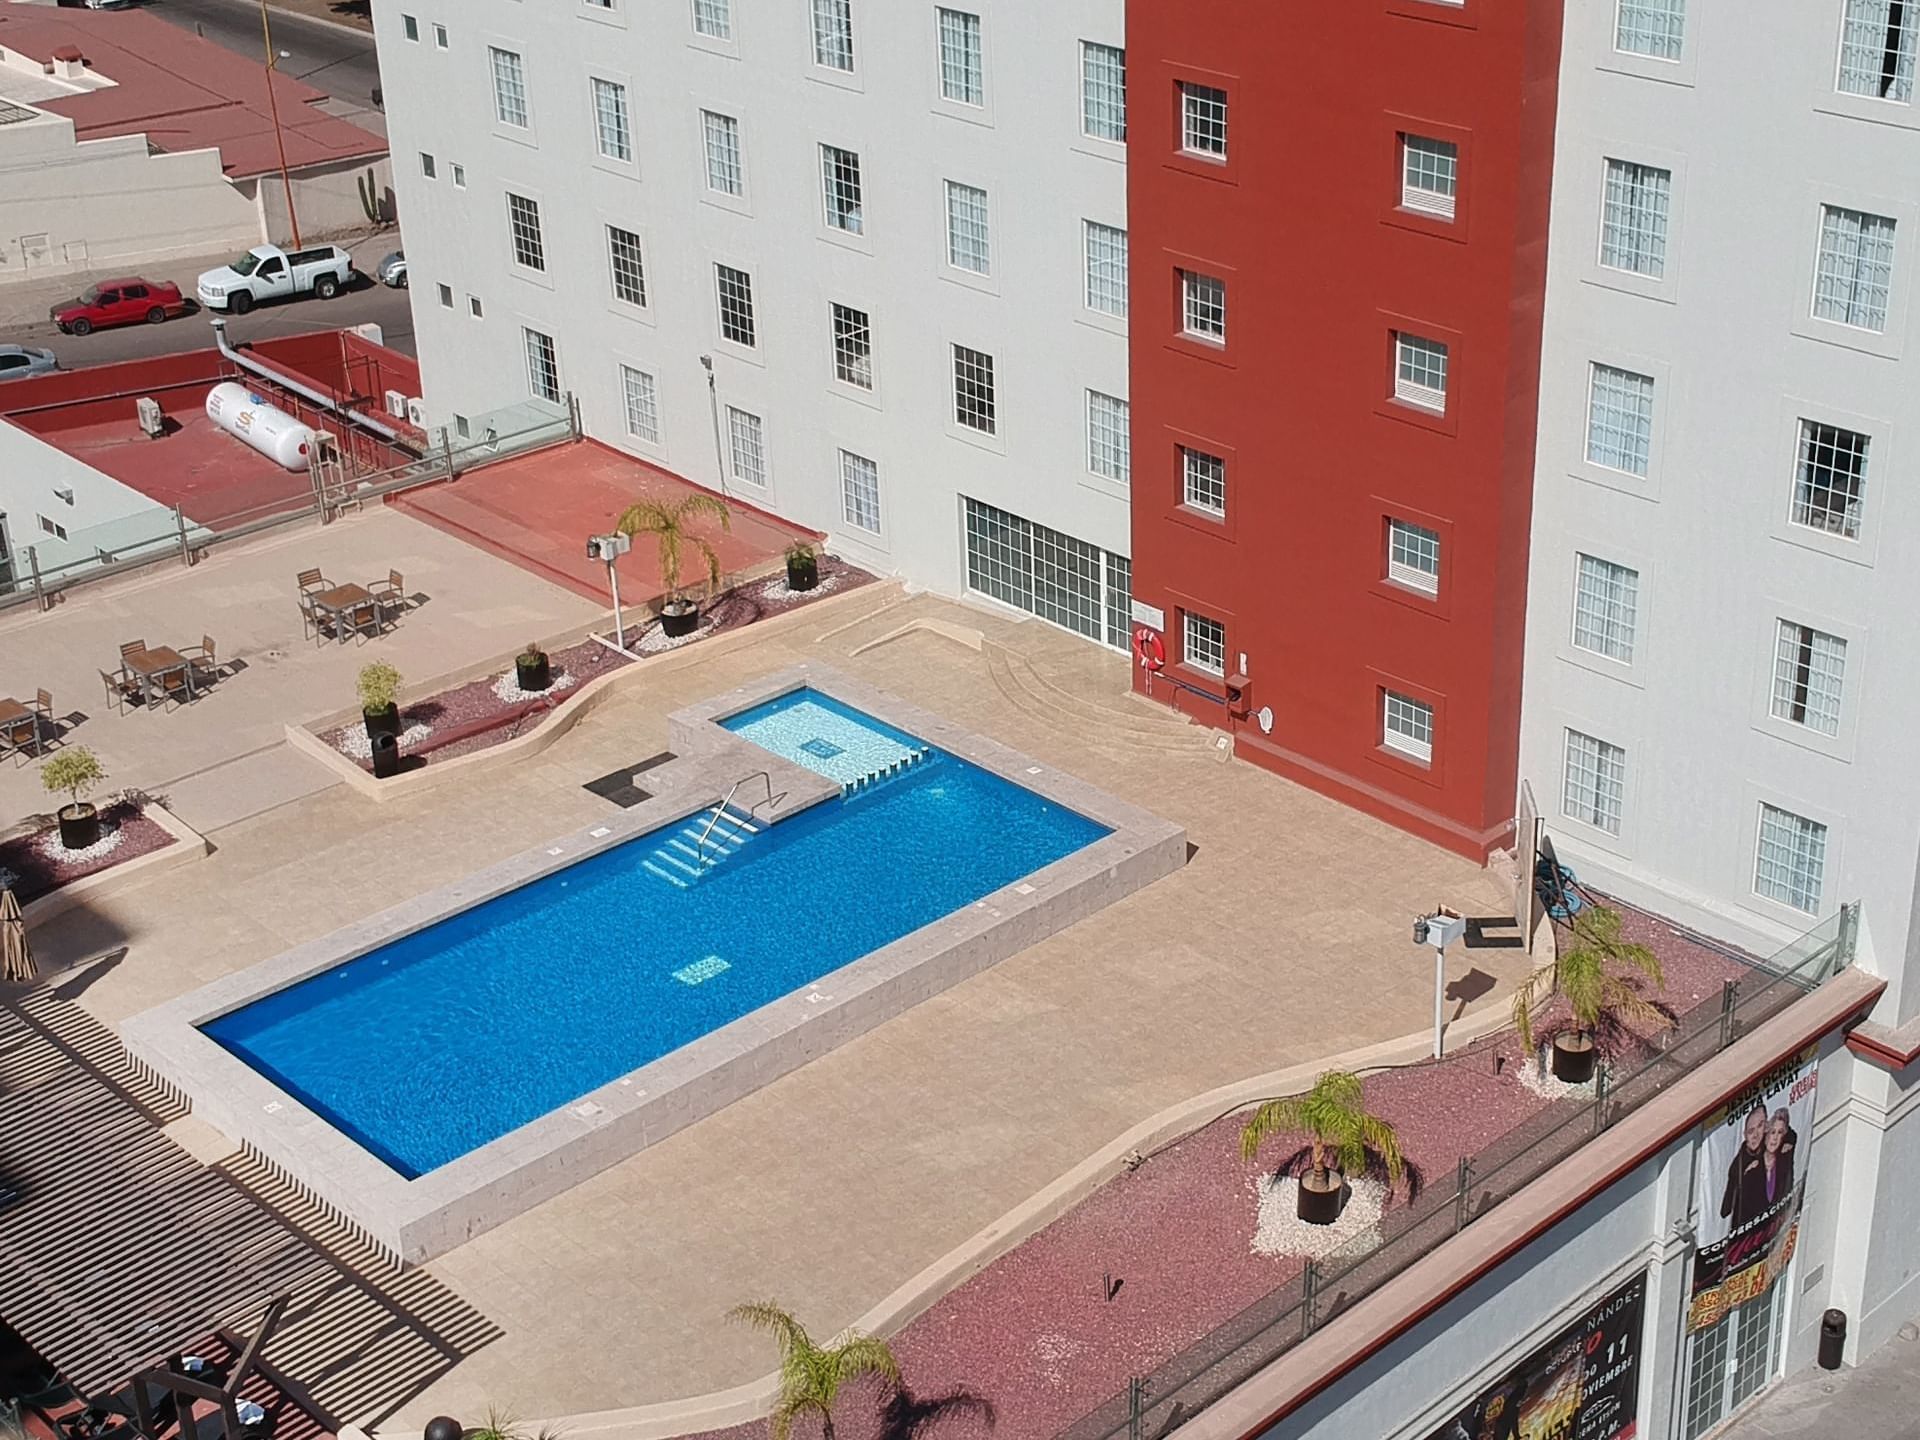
(307, 392)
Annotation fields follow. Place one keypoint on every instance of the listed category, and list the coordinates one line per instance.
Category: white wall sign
(1145, 614)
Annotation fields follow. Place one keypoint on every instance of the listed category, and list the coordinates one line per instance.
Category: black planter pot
(533, 674)
(803, 574)
(444, 1427)
(1574, 1055)
(79, 826)
(1322, 1207)
(381, 722)
(675, 622)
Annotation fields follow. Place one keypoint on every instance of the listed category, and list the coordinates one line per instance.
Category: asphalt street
(336, 60)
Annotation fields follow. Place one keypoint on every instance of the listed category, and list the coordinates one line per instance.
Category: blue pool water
(432, 1046)
(828, 738)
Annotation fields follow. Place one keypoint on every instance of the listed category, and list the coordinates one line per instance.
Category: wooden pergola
(186, 1388)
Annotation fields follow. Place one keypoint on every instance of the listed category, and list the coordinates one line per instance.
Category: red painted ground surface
(537, 511)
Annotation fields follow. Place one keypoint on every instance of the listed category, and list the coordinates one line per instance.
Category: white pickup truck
(267, 272)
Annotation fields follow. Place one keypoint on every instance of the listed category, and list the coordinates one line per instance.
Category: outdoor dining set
(26, 729)
(338, 611)
(158, 675)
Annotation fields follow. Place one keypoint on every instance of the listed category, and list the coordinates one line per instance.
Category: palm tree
(667, 521)
(1597, 973)
(502, 1425)
(1340, 1131)
(811, 1375)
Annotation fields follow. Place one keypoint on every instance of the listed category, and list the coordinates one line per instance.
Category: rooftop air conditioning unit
(153, 423)
(371, 330)
(417, 412)
(396, 404)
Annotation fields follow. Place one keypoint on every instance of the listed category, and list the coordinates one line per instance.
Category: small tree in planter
(75, 772)
(803, 566)
(1341, 1133)
(531, 668)
(1596, 972)
(667, 521)
(811, 1375)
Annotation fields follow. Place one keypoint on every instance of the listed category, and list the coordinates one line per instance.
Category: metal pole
(1728, 993)
(180, 524)
(619, 624)
(39, 588)
(273, 107)
(713, 397)
(1439, 999)
(1460, 1194)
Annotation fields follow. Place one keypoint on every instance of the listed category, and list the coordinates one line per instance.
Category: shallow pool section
(817, 732)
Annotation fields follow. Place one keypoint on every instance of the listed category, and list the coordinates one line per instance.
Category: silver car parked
(17, 362)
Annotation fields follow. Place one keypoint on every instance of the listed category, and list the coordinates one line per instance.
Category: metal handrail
(700, 850)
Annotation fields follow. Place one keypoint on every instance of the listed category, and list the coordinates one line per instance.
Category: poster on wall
(1584, 1384)
(1751, 1182)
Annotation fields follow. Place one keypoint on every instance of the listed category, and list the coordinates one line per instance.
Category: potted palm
(803, 566)
(531, 668)
(1341, 1134)
(1598, 975)
(76, 772)
(811, 1375)
(379, 684)
(667, 521)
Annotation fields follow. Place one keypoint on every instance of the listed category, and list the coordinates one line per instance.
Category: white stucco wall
(1024, 147)
(103, 513)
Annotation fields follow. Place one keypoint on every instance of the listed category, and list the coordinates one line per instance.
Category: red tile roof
(182, 92)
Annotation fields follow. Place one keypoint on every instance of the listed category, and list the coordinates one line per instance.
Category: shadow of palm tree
(907, 1416)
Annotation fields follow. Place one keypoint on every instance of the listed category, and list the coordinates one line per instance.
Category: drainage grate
(701, 970)
(821, 749)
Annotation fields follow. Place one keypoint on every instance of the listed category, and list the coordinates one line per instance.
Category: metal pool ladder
(721, 809)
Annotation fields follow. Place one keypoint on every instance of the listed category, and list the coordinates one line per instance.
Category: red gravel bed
(38, 875)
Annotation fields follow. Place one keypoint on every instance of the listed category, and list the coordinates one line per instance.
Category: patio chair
(173, 686)
(390, 594)
(312, 580)
(120, 688)
(205, 664)
(16, 736)
(310, 617)
(132, 648)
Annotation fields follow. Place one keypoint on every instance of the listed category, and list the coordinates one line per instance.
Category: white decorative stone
(776, 588)
(1537, 1077)
(507, 687)
(656, 641)
(51, 847)
(1281, 1231)
(354, 740)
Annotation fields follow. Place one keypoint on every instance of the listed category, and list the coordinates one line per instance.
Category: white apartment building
(1720, 687)
(896, 230)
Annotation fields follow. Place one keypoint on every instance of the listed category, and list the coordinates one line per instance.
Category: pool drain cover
(822, 749)
(701, 970)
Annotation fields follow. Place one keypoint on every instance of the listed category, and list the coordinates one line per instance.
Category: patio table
(12, 713)
(154, 665)
(343, 600)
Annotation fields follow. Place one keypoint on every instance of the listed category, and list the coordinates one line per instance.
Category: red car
(118, 302)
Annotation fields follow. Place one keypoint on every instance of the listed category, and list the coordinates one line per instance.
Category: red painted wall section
(1303, 222)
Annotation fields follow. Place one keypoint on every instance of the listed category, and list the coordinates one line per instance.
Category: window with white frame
(440, 40)
(973, 397)
(968, 243)
(1103, 91)
(446, 297)
(1619, 419)
(852, 347)
(1429, 175)
(1877, 43)
(1654, 28)
(1406, 725)
(459, 176)
(1593, 788)
(713, 19)
(1109, 437)
(1606, 601)
(1203, 306)
(1633, 218)
(1830, 483)
(523, 225)
(1419, 371)
(1203, 643)
(643, 404)
(1106, 269)
(833, 35)
(962, 65)
(1203, 482)
(840, 184)
(735, 289)
(1048, 573)
(1413, 556)
(474, 308)
(747, 440)
(860, 492)
(1791, 860)
(410, 27)
(543, 364)
(725, 173)
(1809, 673)
(427, 166)
(629, 269)
(613, 132)
(1853, 275)
(509, 87)
(1203, 120)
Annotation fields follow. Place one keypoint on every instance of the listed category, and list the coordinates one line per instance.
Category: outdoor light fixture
(1439, 930)
(610, 548)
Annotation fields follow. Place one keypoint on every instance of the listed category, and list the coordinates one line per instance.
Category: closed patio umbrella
(16, 955)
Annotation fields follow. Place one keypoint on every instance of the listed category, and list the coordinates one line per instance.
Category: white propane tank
(246, 415)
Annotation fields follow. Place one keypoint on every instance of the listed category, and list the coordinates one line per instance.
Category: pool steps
(887, 771)
(679, 860)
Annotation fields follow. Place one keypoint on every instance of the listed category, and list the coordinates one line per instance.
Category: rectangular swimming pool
(437, 1043)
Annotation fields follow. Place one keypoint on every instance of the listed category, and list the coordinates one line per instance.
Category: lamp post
(713, 397)
(279, 139)
(610, 548)
(1439, 930)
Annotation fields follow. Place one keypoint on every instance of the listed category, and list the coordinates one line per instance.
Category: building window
(1619, 419)
(543, 365)
(1809, 671)
(509, 88)
(1854, 272)
(427, 167)
(1594, 787)
(446, 297)
(852, 347)
(747, 439)
(736, 304)
(610, 120)
(1103, 91)
(410, 27)
(713, 19)
(962, 71)
(1791, 863)
(462, 428)
(1406, 725)
(1605, 604)
(1109, 442)
(724, 171)
(1050, 574)
(1203, 306)
(1429, 175)
(1633, 221)
(1106, 269)
(1203, 482)
(474, 308)
(840, 179)
(643, 404)
(1829, 489)
(440, 40)
(1203, 120)
(1654, 28)
(1413, 556)
(629, 270)
(1203, 643)
(833, 35)
(973, 402)
(1420, 372)
(523, 223)
(1877, 49)
(860, 492)
(967, 238)
(459, 177)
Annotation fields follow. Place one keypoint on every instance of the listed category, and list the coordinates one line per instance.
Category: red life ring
(1148, 646)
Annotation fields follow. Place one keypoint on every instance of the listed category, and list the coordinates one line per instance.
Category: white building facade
(897, 231)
